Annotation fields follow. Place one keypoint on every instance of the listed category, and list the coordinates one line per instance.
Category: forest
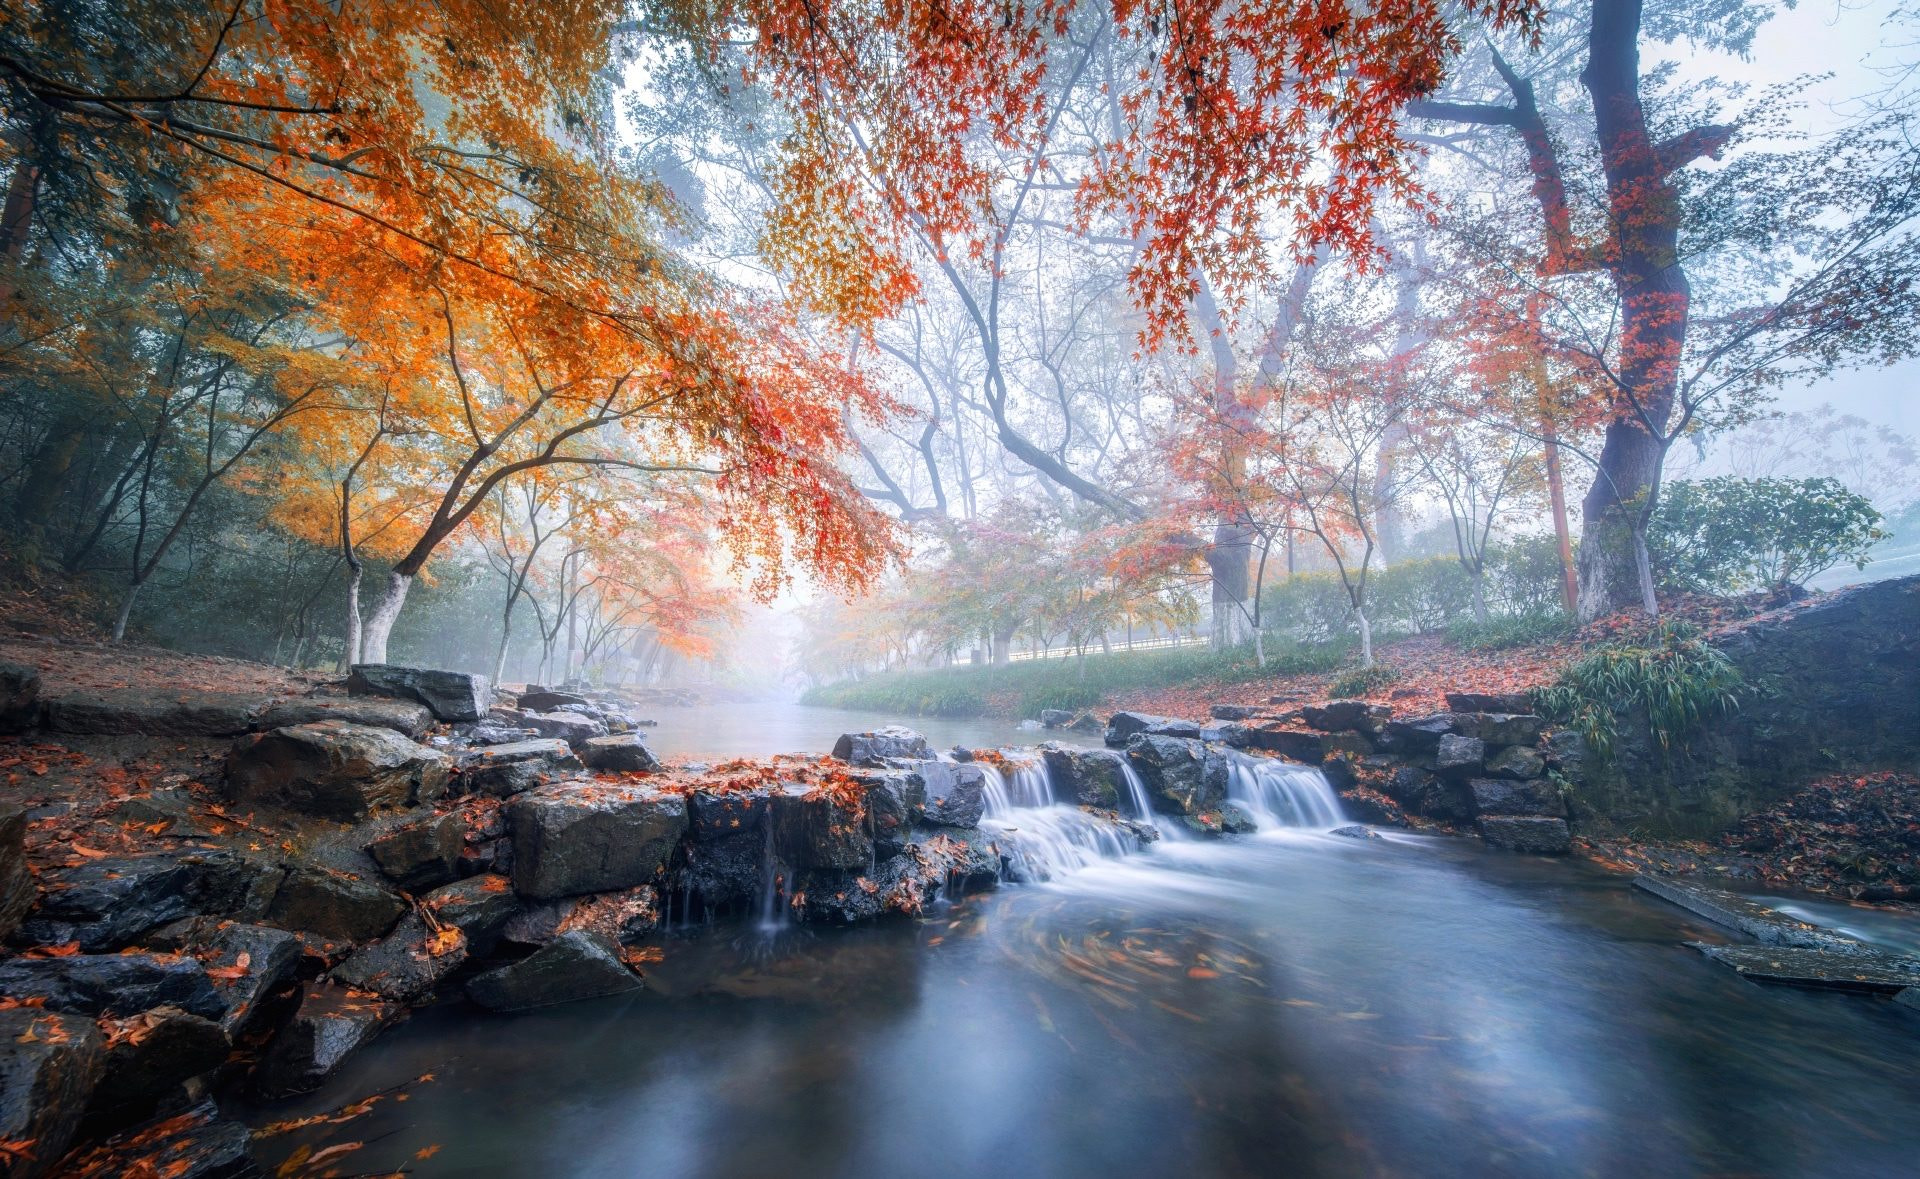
(1292, 463)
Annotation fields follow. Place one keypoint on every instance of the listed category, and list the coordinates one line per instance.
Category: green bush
(1307, 608)
(1363, 681)
(1420, 597)
(1524, 575)
(1512, 630)
(1728, 535)
(1672, 676)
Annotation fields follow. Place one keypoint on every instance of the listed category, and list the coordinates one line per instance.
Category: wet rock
(149, 1055)
(967, 857)
(623, 917)
(1499, 728)
(494, 733)
(723, 814)
(1406, 784)
(49, 1063)
(574, 966)
(1763, 923)
(1180, 776)
(331, 1025)
(727, 874)
(1868, 972)
(1344, 716)
(108, 903)
(576, 730)
(1459, 755)
(405, 717)
(626, 753)
(246, 963)
(1507, 702)
(1507, 796)
(451, 695)
(151, 712)
(19, 698)
(1085, 777)
(1235, 712)
(17, 887)
(1055, 718)
(542, 700)
(424, 852)
(1227, 819)
(1353, 831)
(1909, 998)
(501, 771)
(592, 838)
(479, 907)
(112, 984)
(1232, 733)
(815, 829)
(1419, 734)
(835, 896)
(1545, 837)
(955, 793)
(1517, 761)
(1567, 752)
(407, 964)
(1294, 744)
(198, 1144)
(879, 746)
(334, 770)
(1124, 726)
(896, 800)
(334, 904)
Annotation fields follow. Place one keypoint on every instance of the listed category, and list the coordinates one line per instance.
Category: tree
(1727, 534)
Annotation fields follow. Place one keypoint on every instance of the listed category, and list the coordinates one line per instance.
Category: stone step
(1870, 972)
(1760, 922)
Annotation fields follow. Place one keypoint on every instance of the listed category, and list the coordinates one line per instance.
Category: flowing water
(1291, 1003)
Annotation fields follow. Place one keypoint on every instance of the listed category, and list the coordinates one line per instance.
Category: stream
(1288, 1003)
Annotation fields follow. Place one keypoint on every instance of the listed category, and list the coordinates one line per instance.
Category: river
(1292, 1003)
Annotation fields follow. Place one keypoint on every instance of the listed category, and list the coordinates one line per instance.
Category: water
(1044, 839)
(1282, 794)
(764, 728)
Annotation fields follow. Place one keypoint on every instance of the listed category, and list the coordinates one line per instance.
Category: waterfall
(773, 915)
(1041, 838)
(1143, 806)
(1281, 794)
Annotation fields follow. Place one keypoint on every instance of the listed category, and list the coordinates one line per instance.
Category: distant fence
(1159, 644)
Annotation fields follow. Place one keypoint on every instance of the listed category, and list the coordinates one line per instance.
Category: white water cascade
(1044, 839)
(1143, 806)
(1281, 794)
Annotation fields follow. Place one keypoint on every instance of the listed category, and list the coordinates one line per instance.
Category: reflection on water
(764, 728)
(1288, 1004)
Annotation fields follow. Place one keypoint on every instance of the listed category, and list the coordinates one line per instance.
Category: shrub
(1672, 676)
(1306, 608)
(1363, 681)
(1421, 596)
(1524, 575)
(1512, 630)
(1728, 535)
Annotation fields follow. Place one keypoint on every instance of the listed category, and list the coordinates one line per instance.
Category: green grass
(1671, 675)
(1363, 681)
(1509, 631)
(1038, 684)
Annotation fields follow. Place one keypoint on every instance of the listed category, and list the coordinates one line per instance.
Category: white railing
(1161, 643)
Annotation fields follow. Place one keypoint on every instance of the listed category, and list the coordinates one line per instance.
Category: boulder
(112, 984)
(879, 746)
(1123, 726)
(1508, 702)
(1293, 744)
(501, 771)
(334, 770)
(576, 965)
(1235, 712)
(1055, 718)
(1181, 776)
(572, 727)
(1230, 733)
(1459, 755)
(543, 700)
(1086, 777)
(151, 712)
(1500, 728)
(1500, 796)
(496, 733)
(49, 1063)
(837, 896)
(592, 838)
(17, 888)
(728, 874)
(955, 793)
(451, 695)
(624, 753)
(410, 719)
(246, 963)
(406, 964)
(721, 814)
(1419, 734)
(1567, 752)
(479, 907)
(197, 1144)
(814, 828)
(1227, 819)
(149, 1056)
(1353, 831)
(19, 698)
(334, 904)
(896, 800)
(107, 903)
(331, 1025)
(423, 852)
(1517, 761)
(1538, 836)
(1347, 716)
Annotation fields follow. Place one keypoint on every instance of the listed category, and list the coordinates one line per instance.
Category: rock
(626, 753)
(451, 695)
(479, 907)
(576, 730)
(592, 838)
(1517, 761)
(543, 700)
(1421, 734)
(897, 799)
(1508, 702)
(407, 964)
(1232, 733)
(149, 1055)
(501, 771)
(1228, 819)
(1179, 775)
(1310, 748)
(334, 904)
(882, 745)
(833, 896)
(1763, 923)
(107, 903)
(813, 829)
(1459, 755)
(405, 717)
(1870, 972)
(423, 852)
(576, 965)
(19, 698)
(1235, 712)
(1346, 716)
(1499, 728)
(954, 793)
(727, 875)
(246, 963)
(17, 888)
(112, 984)
(1123, 726)
(331, 1025)
(1546, 837)
(623, 917)
(334, 770)
(1567, 752)
(1909, 997)
(49, 1063)
(1353, 831)
(1498, 796)
(1055, 718)
(1087, 722)
(151, 712)
(1086, 777)
(491, 733)
(198, 1144)
(723, 814)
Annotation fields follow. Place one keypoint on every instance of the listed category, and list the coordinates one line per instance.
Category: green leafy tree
(1727, 534)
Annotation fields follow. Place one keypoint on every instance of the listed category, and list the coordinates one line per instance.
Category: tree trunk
(1557, 494)
(1366, 637)
(1228, 560)
(1003, 647)
(126, 612)
(386, 611)
(355, 625)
